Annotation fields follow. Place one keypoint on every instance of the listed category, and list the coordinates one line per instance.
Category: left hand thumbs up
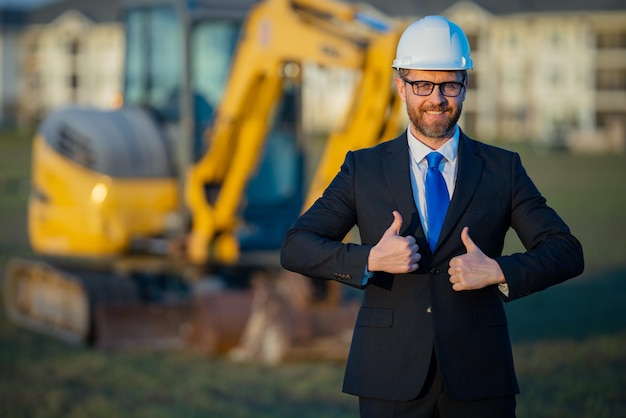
(473, 270)
(467, 241)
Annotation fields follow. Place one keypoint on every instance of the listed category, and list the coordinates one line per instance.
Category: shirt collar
(419, 150)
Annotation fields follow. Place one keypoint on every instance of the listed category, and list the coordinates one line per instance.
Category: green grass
(568, 340)
(51, 380)
(14, 185)
(589, 192)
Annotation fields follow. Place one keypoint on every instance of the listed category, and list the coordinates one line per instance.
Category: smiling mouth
(435, 111)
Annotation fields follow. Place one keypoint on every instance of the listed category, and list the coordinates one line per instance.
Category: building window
(556, 39)
(472, 83)
(470, 122)
(556, 78)
(73, 47)
(473, 41)
(606, 119)
(611, 40)
(74, 81)
(513, 40)
(611, 79)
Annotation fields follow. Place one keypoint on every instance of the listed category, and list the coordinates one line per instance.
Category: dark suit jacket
(404, 316)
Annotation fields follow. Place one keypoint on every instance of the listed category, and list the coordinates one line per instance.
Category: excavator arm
(374, 114)
(279, 36)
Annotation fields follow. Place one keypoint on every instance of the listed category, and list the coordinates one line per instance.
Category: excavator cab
(178, 56)
(178, 60)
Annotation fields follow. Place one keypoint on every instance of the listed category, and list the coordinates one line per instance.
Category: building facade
(552, 79)
(72, 59)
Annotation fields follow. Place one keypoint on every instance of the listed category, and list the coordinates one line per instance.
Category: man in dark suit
(431, 337)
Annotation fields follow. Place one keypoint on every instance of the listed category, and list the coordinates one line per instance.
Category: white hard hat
(433, 43)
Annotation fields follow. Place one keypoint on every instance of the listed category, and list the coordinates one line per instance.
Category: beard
(439, 129)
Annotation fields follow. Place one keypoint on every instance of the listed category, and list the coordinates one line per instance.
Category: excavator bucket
(87, 306)
(287, 323)
(137, 325)
(278, 320)
(219, 321)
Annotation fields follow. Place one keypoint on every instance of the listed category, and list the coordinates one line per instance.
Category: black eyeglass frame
(442, 87)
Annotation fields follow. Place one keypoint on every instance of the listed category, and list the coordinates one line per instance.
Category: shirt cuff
(504, 289)
(367, 275)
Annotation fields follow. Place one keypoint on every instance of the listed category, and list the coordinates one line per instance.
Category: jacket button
(429, 310)
(434, 272)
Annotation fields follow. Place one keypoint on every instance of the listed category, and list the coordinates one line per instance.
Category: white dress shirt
(419, 167)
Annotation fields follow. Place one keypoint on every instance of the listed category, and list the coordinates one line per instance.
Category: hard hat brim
(399, 63)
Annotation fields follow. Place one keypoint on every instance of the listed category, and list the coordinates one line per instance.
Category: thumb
(467, 241)
(394, 228)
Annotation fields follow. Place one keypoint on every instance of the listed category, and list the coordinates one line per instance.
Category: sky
(24, 3)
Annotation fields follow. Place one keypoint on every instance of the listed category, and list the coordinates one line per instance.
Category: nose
(436, 96)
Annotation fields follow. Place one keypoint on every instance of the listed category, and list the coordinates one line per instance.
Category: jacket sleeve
(552, 255)
(314, 245)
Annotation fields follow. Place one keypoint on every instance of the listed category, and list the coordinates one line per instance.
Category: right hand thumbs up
(394, 253)
(394, 228)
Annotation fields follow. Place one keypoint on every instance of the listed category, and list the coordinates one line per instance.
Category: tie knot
(434, 158)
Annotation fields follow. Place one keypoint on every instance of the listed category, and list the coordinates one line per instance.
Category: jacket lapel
(396, 166)
(469, 171)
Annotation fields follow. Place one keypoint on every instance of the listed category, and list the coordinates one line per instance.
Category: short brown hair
(402, 73)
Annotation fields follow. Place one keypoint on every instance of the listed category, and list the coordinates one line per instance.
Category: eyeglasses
(425, 88)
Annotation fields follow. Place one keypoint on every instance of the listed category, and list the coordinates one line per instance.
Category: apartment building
(71, 52)
(554, 78)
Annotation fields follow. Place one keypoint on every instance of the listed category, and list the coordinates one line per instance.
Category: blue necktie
(437, 198)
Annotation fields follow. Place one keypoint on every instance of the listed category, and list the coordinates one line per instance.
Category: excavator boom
(279, 36)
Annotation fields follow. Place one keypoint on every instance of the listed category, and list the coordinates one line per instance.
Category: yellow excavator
(159, 223)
